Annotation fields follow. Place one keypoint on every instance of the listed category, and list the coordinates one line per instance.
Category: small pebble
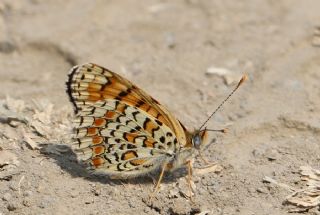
(42, 205)
(170, 40)
(97, 192)
(74, 194)
(12, 206)
(27, 193)
(13, 187)
(261, 190)
(7, 197)
(173, 193)
(273, 155)
(26, 203)
(181, 206)
(46, 202)
(89, 201)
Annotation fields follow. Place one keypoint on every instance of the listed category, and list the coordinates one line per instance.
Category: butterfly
(122, 131)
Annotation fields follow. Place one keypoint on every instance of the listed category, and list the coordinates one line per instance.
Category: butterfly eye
(196, 140)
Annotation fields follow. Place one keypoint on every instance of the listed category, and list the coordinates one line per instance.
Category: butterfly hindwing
(119, 128)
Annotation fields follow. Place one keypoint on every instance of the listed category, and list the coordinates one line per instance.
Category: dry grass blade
(208, 169)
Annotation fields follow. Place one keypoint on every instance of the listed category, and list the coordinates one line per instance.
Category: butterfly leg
(156, 188)
(189, 164)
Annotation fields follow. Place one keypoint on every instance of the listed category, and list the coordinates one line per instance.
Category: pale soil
(166, 48)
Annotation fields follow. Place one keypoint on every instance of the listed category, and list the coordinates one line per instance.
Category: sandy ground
(170, 49)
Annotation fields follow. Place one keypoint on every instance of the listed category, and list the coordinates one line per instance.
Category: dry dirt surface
(188, 54)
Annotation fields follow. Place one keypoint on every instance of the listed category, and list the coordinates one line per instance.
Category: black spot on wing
(169, 134)
(123, 156)
(134, 114)
(148, 165)
(79, 142)
(158, 122)
(131, 146)
(162, 139)
(93, 110)
(139, 103)
(144, 144)
(81, 120)
(158, 115)
(116, 156)
(145, 123)
(175, 141)
(154, 130)
(124, 136)
(107, 159)
(112, 133)
(119, 167)
(123, 94)
(138, 128)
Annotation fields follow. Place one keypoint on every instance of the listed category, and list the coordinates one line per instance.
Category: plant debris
(306, 198)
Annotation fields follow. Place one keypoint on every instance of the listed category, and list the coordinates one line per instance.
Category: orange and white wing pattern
(120, 130)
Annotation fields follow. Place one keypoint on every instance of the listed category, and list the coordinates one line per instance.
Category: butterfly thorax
(195, 141)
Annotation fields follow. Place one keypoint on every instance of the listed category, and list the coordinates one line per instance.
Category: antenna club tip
(243, 79)
(225, 130)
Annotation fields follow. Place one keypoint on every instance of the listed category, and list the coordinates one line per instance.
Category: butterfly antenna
(226, 99)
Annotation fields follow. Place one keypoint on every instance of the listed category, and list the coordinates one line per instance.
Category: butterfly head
(199, 138)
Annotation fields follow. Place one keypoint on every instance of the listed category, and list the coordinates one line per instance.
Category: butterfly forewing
(119, 128)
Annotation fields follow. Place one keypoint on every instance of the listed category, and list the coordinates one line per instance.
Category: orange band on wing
(149, 144)
(98, 150)
(110, 114)
(92, 131)
(130, 137)
(137, 162)
(129, 155)
(97, 140)
(120, 108)
(149, 126)
(99, 122)
(97, 161)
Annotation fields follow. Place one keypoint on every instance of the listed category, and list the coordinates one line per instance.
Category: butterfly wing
(119, 128)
